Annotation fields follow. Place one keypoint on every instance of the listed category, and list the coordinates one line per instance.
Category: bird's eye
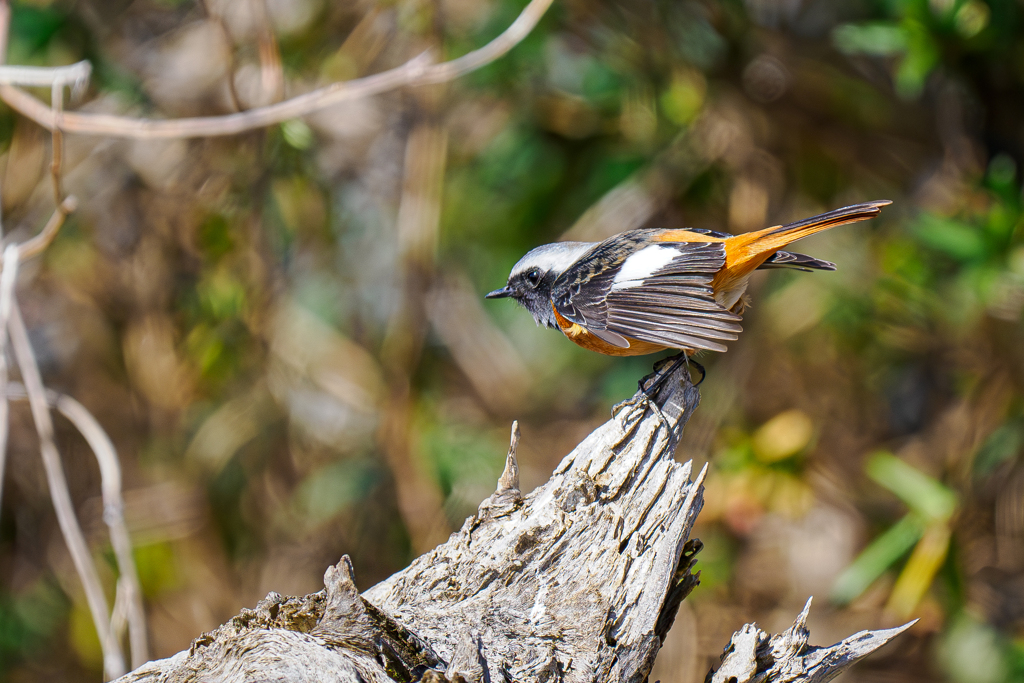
(533, 277)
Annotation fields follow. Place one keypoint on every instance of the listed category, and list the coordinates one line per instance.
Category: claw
(703, 372)
(644, 401)
(645, 394)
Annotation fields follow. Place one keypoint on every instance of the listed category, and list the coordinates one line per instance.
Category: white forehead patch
(641, 265)
(552, 257)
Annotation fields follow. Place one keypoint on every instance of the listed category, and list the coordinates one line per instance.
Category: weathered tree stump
(577, 581)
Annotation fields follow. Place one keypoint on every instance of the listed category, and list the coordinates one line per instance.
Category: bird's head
(530, 281)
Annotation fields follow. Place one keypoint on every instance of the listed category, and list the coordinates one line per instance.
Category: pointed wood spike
(801, 619)
(509, 480)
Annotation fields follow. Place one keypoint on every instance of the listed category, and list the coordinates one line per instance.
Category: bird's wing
(659, 293)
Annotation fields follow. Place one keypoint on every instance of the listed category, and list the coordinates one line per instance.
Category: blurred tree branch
(415, 72)
(112, 654)
(419, 213)
(128, 598)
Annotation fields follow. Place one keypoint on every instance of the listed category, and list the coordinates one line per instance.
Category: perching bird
(643, 291)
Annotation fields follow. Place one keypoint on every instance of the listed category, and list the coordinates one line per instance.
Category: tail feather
(793, 261)
(824, 221)
(746, 252)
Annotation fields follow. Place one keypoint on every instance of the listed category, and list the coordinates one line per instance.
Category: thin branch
(129, 590)
(5, 28)
(38, 244)
(413, 73)
(113, 515)
(7, 280)
(512, 36)
(113, 658)
(271, 71)
(57, 141)
(222, 26)
(76, 75)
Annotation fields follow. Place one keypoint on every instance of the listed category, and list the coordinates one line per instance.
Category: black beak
(499, 293)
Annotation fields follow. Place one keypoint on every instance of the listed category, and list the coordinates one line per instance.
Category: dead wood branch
(113, 657)
(577, 581)
(129, 591)
(753, 656)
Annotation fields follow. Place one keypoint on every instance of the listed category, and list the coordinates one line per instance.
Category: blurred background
(284, 331)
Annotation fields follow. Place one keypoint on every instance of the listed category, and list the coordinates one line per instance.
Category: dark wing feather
(673, 305)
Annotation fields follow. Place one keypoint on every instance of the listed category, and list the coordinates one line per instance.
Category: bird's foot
(642, 401)
(703, 372)
(646, 388)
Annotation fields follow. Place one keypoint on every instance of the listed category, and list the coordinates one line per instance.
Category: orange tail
(744, 253)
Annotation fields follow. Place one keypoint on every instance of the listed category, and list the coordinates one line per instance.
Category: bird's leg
(663, 369)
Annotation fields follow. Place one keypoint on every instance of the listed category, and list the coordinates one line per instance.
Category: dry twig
(417, 71)
(129, 592)
(271, 70)
(76, 75)
(113, 658)
(7, 279)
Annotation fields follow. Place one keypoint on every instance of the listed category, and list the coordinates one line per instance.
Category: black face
(532, 290)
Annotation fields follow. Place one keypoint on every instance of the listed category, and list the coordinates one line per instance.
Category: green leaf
(922, 494)
(954, 238)
(881, 554)
(297, 134)
(330, 490)
(876, 38)
(157, 568)
(32, 28)
(972, 18)
(922, 55)
(971, 651)
(1001, 445)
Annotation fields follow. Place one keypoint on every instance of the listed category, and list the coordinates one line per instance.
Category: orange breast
(582, 337)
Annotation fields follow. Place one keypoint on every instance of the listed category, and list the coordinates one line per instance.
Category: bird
(646, 290)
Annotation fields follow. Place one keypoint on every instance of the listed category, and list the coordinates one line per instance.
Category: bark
(577, 581)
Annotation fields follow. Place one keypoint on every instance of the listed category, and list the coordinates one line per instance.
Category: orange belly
(582, 337)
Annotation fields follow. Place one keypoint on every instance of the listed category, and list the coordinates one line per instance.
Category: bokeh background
(285, 336)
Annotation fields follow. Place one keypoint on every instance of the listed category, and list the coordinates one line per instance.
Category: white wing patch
(642, 265)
